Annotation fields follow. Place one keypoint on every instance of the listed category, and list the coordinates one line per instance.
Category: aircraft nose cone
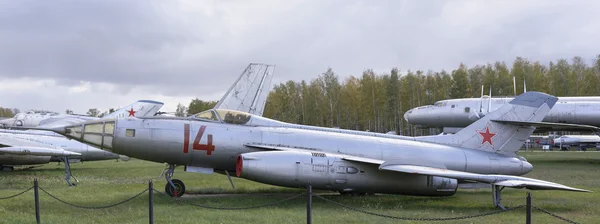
(407, 115)
(527, 167)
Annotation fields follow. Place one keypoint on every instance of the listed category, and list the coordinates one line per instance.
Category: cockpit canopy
(225, 116)
(440, 103)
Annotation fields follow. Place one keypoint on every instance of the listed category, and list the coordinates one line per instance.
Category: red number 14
(209, 147)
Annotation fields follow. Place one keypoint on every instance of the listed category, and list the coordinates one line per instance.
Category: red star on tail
(487, 136)
(131, 112)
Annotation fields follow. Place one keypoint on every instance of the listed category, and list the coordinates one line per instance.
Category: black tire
(171, 191)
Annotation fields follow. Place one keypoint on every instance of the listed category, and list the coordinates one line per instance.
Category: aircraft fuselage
(459, 113)
(88, 153)
(217, 145)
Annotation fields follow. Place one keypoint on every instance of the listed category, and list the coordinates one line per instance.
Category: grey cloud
(168, 48)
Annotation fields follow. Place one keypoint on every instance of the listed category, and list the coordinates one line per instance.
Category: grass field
(108, 182)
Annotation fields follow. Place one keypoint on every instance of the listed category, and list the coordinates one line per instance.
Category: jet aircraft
(454, 114)
(580, 141)
(47, 119)
(283, 154)
(34, 147)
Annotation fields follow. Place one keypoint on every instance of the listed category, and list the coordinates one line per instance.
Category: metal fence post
(309, 204)
(528, 216)
(150, 202)
(37, 200)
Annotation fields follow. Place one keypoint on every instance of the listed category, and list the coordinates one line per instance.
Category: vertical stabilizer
(141, 108)
(487, 135)
(249, 92)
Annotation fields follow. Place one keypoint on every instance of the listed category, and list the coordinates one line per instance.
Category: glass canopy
(225, 116)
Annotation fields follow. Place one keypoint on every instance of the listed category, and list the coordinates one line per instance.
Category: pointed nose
(407, 115)
(527, 167)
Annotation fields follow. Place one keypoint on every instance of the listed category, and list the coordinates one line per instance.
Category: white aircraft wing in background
(17, 146)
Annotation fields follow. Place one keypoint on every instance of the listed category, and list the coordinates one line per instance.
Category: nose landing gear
(174, 187)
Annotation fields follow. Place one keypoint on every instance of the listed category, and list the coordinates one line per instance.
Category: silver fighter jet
(34, 147)
(579, 141)
(45, 119)
(292, 155)
(454, 114)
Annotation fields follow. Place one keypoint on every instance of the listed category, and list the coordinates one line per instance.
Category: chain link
(555, 216)
(233, 208)
(23, 192)
(417, 219)
(94, 207)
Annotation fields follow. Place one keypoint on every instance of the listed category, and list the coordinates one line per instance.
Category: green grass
(108, 182)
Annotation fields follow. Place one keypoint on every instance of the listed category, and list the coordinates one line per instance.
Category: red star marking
(131, 112)
(487, 136)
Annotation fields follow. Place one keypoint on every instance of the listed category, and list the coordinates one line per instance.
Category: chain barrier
(12, 196)
(233, 208)
(292, 198)
(417, 219)
(93, 207)
(554, 215)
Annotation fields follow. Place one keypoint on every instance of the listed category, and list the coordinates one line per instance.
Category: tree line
(377, 102)
(8, 112)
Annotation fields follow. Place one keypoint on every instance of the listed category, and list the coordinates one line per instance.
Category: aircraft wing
(344, 157)
(249, 92)
(548, 126)
(500, 180)
(17, 146)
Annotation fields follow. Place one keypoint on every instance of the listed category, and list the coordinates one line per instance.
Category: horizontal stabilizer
(37, 151)
(536, 185)
(500, 180)
(548, 126)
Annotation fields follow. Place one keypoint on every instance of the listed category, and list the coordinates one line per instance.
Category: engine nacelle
(297, 169)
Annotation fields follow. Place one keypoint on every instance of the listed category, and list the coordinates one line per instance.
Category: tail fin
(488, 134)
(142, 108)
(249, 92)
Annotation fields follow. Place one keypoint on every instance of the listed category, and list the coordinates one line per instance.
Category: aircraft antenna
(481, 90)
(515, 86)
(490, 100)
(481, 103)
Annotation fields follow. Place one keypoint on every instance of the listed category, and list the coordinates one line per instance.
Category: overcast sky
(100, 54)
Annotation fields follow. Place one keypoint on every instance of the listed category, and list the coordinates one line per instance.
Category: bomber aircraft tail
(504, 130)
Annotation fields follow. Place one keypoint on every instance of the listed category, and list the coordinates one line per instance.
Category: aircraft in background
(283, 154)
(34, 147)
(47, 119)
(454, 114)
(580, 141)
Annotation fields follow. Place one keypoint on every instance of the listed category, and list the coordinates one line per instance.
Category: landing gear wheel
(176, 191)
